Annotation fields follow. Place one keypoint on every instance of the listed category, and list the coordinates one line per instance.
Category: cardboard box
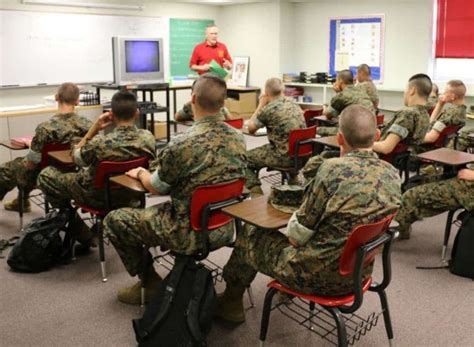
(239, 102)
(245, 116)
(160, 130)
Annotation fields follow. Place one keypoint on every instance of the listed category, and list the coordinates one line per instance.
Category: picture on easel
(240, 71)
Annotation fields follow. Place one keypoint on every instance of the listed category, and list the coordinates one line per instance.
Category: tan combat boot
(13, 205)
(230, 305)
(133, 295)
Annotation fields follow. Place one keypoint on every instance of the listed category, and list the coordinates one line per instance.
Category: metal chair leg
(250, 295)
(311, 313)
(447, 233)
(386, 315)
(21, 194)
(340, 324)
(101, 249)
(267, 308)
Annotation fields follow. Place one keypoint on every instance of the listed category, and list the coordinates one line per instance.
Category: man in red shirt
(210, 50)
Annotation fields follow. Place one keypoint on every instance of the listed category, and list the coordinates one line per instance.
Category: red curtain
(455, 29)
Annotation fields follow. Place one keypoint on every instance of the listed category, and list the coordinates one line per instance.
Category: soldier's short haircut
(435, 88)
(458, 87)
(358, 125)
(346, 76)
(274, 86)
(68, 93)
(422, 84)
(124, 105)
(210, 91)
(365, 68)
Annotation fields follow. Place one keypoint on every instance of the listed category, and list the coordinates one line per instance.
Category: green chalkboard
(185, 34)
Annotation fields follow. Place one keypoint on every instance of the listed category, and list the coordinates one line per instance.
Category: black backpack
(181, 313)
(40, 246)
(462, 255)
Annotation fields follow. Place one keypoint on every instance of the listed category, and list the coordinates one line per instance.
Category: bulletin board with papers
(354, 41)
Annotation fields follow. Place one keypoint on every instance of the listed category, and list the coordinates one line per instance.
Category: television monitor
(137, 60)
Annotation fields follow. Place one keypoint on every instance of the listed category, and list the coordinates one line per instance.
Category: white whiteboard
(51, 48)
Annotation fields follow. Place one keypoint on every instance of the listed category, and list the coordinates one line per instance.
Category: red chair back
(300, 135)
(360, 236)
(399, 148)
(380, 118)
(430, 111)
(210, 194)
(443, 137)
(108, 168)
(310, 114)
(52, 147)
(236, 123)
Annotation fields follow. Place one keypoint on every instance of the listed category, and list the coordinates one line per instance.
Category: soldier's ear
(340, 139)
(56, 97)
(193, 98)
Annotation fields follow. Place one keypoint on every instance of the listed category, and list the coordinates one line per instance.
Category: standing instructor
(210, 50)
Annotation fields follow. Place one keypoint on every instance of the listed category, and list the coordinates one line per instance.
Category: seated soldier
(364, 83)
(357, 188)
(410, 124)
(346, 94)
(279, 115)
(209, 152)
(449, 111)
(63, 127)
(434, 198)
(464, 141)
(125, 142)
(433, 98)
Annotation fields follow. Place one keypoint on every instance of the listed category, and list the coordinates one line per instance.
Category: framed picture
(240, 71)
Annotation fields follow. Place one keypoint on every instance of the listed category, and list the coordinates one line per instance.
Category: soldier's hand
(206, 67)
(293, 242)
(27, 143)
(227, 64)
(466, 174)
(263, 100)
(133, 173)
(104, 120)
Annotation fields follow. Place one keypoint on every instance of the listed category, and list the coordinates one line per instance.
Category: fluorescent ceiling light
(84, 4)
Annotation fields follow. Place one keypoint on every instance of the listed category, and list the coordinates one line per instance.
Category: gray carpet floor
(70, 306)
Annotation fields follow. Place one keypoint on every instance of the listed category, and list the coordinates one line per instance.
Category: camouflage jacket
(410, 124)
(186, 112)
(432, 101)
(450, 115)
(280, 117)
(61, 128)
(349, 96)
(369, 88)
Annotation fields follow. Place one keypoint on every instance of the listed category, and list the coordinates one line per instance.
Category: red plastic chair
(105, 170)
(310, 114)
(359, 251)
(446, 135)
(380, 120)
(399, 158)
(236, 123)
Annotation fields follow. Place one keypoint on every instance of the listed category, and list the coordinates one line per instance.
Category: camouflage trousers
(312, 166)
(327, 131)
(15, 174)
(60, 188)
(260, 157)
(129, 229)
(434, 198)
(270, 253)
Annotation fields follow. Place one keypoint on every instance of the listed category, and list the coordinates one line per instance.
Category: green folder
(217, 69)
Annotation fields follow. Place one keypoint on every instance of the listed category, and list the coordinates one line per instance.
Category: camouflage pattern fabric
(464, 140)
(279, 117)
(312, 166)
(209, 152)
(351, 95)
(186, 113)
(432, 101)
(122, 144)
(61, 128)
(434, 198)
(451, 115)
(286, 198)
(356, 189)
(370, 89)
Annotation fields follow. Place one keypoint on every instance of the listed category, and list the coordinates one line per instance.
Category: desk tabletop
(9, 145)
(330, 141)
(325, 120)
(129, 183)
(63, 157)
(259, 212)
(447, 156)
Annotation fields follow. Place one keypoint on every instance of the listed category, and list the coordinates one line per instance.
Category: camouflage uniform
(209, 152)
(280, 117)
(356, 189)
(432, 101)
(434, 198)
(464, 141)
(61, 128)
(369, 88)
(186, 113)
(351, 95)
(451, 115)
(123, 143)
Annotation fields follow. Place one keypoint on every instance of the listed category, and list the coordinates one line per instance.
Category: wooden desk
(129, 183)
(330, 141)
(259, 212)
(323, 120)
(447, 156)
(9, 145)
(64, 157)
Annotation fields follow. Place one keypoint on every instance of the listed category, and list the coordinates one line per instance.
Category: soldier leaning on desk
(357, 188)
(125, 142)
(64, 127)
(346, 94)
(365, 83)
(209, 152)
(279, 115)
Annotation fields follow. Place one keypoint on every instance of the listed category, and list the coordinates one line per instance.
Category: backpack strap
(192, 314)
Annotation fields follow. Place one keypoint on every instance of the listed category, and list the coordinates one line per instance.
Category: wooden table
(447, 156)
(258, 212)
(129, 183)
(323, 120)
(330, 141)
(64, 157)
(9, 145)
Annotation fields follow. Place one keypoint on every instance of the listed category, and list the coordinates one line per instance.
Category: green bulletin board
(185, 34)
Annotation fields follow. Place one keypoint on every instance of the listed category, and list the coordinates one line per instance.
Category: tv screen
(142, 56)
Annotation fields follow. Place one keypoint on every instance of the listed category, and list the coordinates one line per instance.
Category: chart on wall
(357, 40)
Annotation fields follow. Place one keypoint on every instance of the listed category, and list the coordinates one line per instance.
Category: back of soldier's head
(274, 87)
(210, 91)
(124, 105)
(346, 77)
(458, 88)
(365, 69)
(434, 89)
(358, 125)
(422, 84)
(68, 93)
